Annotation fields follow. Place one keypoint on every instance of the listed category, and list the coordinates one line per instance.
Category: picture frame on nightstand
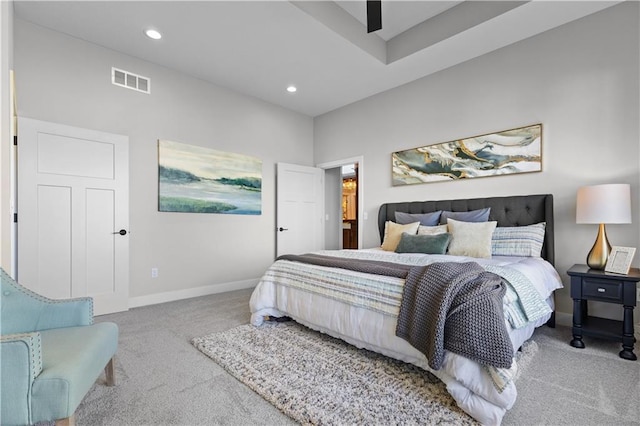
(619, 261)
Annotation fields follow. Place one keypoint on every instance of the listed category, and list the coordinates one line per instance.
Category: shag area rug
(317, 379)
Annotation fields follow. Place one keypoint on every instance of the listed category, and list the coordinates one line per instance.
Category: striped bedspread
(383, 294)
(376, 292)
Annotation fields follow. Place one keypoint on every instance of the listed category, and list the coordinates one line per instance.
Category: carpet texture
(163, 380)
(316, 379)
(565, 385)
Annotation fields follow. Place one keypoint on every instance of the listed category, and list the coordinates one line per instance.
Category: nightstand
(590, 284)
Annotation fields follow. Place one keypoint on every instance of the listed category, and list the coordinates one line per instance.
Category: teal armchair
(51, 354)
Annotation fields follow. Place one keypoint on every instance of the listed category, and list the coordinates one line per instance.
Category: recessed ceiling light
(154, 34)
(292, 89)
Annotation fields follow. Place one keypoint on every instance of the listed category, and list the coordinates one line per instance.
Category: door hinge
(15, 140)
(15, 218)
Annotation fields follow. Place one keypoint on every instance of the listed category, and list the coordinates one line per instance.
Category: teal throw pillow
(427, 244)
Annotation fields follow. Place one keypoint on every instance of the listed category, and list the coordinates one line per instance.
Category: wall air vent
(130, 80)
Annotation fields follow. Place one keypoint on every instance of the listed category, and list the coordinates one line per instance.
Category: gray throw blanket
(388, 269)
(458, 307)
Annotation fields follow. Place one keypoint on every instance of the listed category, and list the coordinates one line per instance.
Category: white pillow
(471, 239)
(432, 230)
(393, 233)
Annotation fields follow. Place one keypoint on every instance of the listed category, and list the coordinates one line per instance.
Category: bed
(367, 313)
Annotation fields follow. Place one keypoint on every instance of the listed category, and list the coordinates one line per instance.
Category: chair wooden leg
(69, 421)
(110, 373)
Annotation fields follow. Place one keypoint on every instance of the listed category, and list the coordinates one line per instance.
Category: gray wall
(6, 64)
(579, 80)
(333, 208)
(66, 80)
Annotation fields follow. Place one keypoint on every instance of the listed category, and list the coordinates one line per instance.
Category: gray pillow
(480, 215)
(425, 219)
(428, 244)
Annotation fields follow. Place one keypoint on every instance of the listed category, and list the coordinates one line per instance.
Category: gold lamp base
(597, 257)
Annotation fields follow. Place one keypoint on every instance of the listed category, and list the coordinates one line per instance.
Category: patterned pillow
(523, 241)
(480, 215)
(471, 239)
(428, 244)
(425, 219)
(393, 232)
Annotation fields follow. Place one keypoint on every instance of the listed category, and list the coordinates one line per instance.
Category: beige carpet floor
(164, 380)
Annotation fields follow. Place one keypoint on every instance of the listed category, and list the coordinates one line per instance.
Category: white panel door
(300, 209)
(73, 202)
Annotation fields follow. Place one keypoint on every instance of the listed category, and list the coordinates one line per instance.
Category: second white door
(300, 209)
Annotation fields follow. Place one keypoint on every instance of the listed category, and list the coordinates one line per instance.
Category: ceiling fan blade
(374, 15)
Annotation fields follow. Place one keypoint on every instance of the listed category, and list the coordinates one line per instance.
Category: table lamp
(602, 204)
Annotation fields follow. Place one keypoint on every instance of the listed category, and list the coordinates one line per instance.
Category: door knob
(282, 229)
(121, 232)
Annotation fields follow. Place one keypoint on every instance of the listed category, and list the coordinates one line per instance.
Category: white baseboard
(170, 296)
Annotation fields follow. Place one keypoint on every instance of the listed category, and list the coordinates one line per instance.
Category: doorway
(349, 175)
(348, 220)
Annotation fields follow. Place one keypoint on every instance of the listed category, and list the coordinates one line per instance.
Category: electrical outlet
(154, 272)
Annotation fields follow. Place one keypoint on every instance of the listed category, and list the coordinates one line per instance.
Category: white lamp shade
(609, 203)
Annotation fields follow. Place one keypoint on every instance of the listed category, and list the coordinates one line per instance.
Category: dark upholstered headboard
(517, 210)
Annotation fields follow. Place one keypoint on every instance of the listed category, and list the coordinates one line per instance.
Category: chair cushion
(72, 359)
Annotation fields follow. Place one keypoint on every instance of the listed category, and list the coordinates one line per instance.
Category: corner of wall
(6, 64)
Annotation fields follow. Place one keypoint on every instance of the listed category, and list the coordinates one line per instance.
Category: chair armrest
(21, 364)
(65, 313)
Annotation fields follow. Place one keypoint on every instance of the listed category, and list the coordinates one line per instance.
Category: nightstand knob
(601, 290)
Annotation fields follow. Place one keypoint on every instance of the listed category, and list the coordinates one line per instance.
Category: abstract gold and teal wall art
(494, 154)
(194, 179)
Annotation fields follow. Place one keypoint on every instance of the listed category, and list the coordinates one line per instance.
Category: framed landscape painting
(494, 154)
(195, 179)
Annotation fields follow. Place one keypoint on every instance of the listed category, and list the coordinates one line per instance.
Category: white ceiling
(259, 48)
(398, 16)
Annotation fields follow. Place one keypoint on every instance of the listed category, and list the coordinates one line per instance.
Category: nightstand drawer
(605, 290)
